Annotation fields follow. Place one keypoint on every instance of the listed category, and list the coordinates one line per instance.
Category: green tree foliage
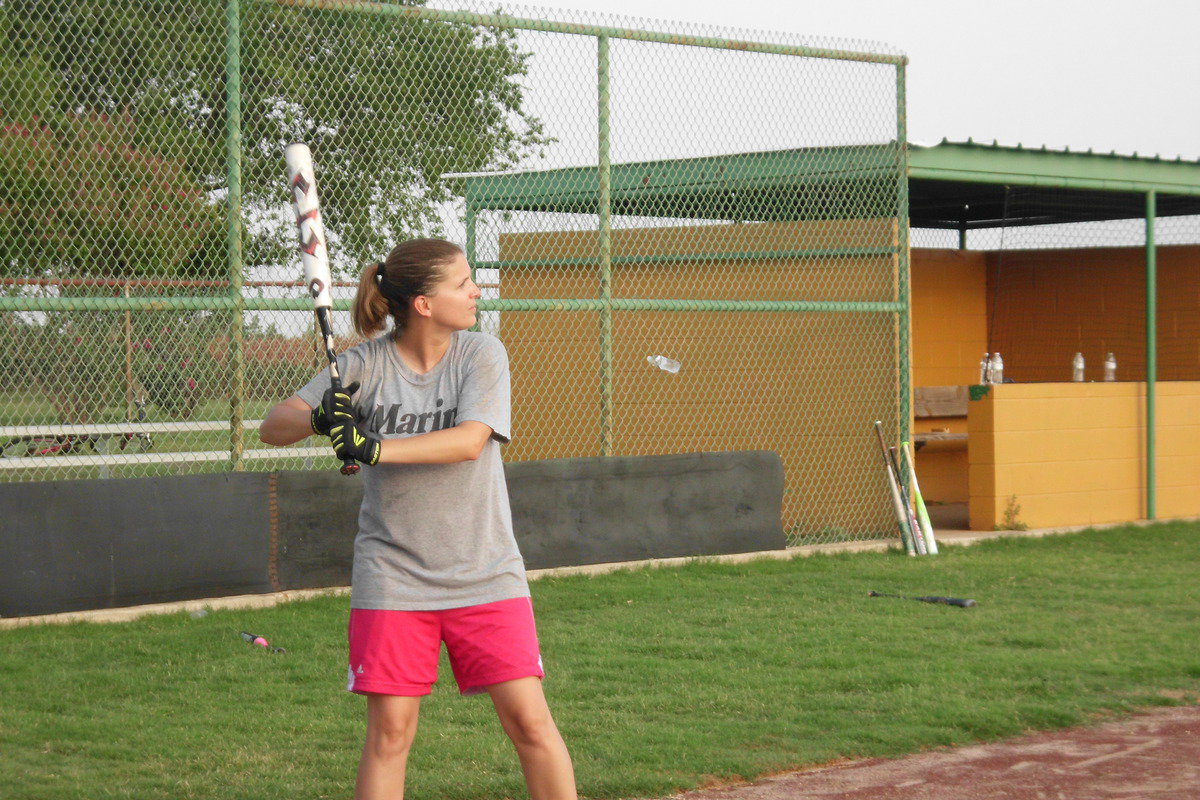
(113, 162)
(389, 105)
(77, 197)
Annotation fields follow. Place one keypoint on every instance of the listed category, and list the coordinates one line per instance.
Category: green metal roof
(969, 185)
(1026, 166)
(812, 183)
(951, 185)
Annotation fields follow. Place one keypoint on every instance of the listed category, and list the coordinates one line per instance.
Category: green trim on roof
(971, 162)
(681, 186)
(823, 182)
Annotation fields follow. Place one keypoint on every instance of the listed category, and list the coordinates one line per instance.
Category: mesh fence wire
(625, 190)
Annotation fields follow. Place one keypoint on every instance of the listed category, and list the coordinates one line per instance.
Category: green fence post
(902, 266)
(469, 246)
(233, 123)
(1151, 352)
(604, 201)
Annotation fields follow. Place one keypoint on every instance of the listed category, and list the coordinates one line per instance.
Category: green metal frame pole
(469, 246)
(233, 122)
(226, 303)
(1151, 353)
(902, 266)
(604, 202)
(550, 26)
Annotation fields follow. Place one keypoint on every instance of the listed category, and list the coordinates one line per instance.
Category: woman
(425, 410)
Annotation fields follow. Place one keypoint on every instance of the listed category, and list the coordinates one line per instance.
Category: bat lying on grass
(949, 601)
(303, 186)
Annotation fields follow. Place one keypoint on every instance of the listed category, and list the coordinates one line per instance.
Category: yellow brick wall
(1051, 304)
(949, 336)
(804, 385)
(949, 316)
(1074, 453)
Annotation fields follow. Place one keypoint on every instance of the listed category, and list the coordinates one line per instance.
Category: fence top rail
(116, 428)
(187, 457)
(580, 29)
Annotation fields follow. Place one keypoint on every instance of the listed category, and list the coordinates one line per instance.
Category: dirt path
(1151, 756)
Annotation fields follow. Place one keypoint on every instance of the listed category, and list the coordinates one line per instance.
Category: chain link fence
(688, 238)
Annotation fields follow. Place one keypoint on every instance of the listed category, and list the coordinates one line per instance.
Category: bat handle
(349, 465)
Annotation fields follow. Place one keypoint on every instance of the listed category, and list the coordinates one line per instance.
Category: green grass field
(660, 679)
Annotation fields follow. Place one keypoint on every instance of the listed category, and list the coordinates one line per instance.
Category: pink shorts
(396, 652)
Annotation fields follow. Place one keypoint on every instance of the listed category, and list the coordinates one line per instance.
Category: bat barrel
(302, 183)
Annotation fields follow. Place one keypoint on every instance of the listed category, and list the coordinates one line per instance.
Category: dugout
(1034, 253)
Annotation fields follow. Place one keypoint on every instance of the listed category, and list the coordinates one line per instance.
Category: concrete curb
(251, 601)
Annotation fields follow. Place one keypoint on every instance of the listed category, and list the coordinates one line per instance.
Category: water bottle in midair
(665, 364)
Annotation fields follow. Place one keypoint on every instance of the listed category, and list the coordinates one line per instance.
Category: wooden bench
(938, 401)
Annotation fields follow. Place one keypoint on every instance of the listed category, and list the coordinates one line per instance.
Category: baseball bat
(922, 513)
(947, 601)
(303, 185)
(909, 513)
(897, 503)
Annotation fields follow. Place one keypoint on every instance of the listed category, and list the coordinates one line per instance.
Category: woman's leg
(391, 727)
(527, 721)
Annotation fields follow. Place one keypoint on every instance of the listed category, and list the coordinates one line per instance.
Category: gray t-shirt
(432, 536)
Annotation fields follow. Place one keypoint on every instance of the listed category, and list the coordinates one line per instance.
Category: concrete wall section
(76, 545)
(949, 336)
(313, 524)
(1178, 457)
(592, 510)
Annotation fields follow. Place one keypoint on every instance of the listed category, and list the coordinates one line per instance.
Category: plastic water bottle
(985, 364)
(665, 364)
(997, 367)
(1077, 365)
(1110, 368)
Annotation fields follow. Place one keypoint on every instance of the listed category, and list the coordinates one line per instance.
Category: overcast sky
(1115, 75)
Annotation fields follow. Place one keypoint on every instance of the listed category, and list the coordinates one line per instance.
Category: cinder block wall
(803, 385)
(949, 336)
(1051, 304)
(1074, 453)
(949, 316)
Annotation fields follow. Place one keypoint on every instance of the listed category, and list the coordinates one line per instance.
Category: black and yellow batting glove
(334, 407)
(353, 441)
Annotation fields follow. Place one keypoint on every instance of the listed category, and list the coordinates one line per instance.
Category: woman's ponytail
(370, 310)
